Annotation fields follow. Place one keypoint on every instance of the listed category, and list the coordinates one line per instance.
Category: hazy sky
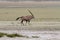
(29, 0)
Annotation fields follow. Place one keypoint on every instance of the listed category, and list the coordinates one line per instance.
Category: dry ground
(16, 25)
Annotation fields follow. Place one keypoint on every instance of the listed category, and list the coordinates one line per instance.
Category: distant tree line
(29, 0)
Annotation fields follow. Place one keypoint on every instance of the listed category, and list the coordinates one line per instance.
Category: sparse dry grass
(11, 35)
(35, 36)
(14, 35)
(10, 14)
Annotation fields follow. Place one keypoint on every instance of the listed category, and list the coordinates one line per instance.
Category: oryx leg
(29, 22)
(22, 22)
